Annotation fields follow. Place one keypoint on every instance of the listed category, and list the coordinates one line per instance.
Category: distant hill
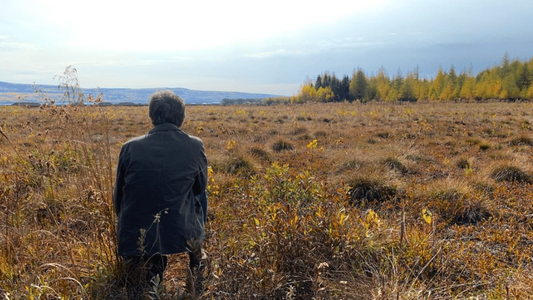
(13, 93)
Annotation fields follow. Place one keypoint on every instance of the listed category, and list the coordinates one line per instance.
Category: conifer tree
(468, 90)
(358, 85)
(383, 82)
(509, 90)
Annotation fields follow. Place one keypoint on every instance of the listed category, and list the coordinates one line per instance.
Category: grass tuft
(282, 145)
(521, 141)
(395, 164)
(370, 190)
(507, 173)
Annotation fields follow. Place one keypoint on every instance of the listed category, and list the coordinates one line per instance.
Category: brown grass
(284, 224)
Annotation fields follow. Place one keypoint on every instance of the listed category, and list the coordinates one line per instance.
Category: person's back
(159, 195)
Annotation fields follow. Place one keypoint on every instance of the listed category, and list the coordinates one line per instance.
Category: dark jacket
(160, 189)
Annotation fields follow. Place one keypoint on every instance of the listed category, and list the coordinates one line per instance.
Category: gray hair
(166, 107)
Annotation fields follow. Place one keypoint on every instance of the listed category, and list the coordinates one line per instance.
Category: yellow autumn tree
(383, 84)
(509, 89)
(325, 94)
(307, 94)
(468, 89)
(437, 85)
(529, 94)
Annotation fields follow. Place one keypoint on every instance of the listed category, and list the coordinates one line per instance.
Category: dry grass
(451, 180)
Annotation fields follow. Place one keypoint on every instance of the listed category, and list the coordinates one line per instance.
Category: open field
(323, 201)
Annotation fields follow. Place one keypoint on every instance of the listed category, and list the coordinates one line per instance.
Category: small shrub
(510, 174)
(282, 145)
(374, 190)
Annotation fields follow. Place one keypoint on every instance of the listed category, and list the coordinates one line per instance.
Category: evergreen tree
(407, 90)
(318, 82)
(422, 89)
(523, 80)
(395, 92)
(452, 75)
(358, 85)
(336, 87)
(505, 66)
(344, 89)
(371, 92)
(468, 89)
(509, 90)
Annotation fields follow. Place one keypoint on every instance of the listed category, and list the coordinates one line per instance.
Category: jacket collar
(164, 127)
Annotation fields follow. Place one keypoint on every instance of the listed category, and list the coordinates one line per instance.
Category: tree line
(509, 80)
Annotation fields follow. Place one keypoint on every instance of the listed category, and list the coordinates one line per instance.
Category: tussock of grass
(282, 145)
(370, 190)
(521, 141)
(395, 164)
(463, 163)
(260, 153)
(508, 173)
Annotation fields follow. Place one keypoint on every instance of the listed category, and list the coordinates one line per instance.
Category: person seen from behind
(160, 194)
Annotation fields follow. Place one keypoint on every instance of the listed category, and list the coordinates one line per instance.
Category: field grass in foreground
(323, 201)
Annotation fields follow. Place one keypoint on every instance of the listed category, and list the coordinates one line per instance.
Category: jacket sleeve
(119, 183)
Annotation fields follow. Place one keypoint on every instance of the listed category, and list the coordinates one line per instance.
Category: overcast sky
(253, 46)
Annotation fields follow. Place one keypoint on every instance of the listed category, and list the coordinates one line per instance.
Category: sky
(269, 47)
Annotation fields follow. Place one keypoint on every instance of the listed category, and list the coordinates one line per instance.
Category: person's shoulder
(195, 139)
(134, 140)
